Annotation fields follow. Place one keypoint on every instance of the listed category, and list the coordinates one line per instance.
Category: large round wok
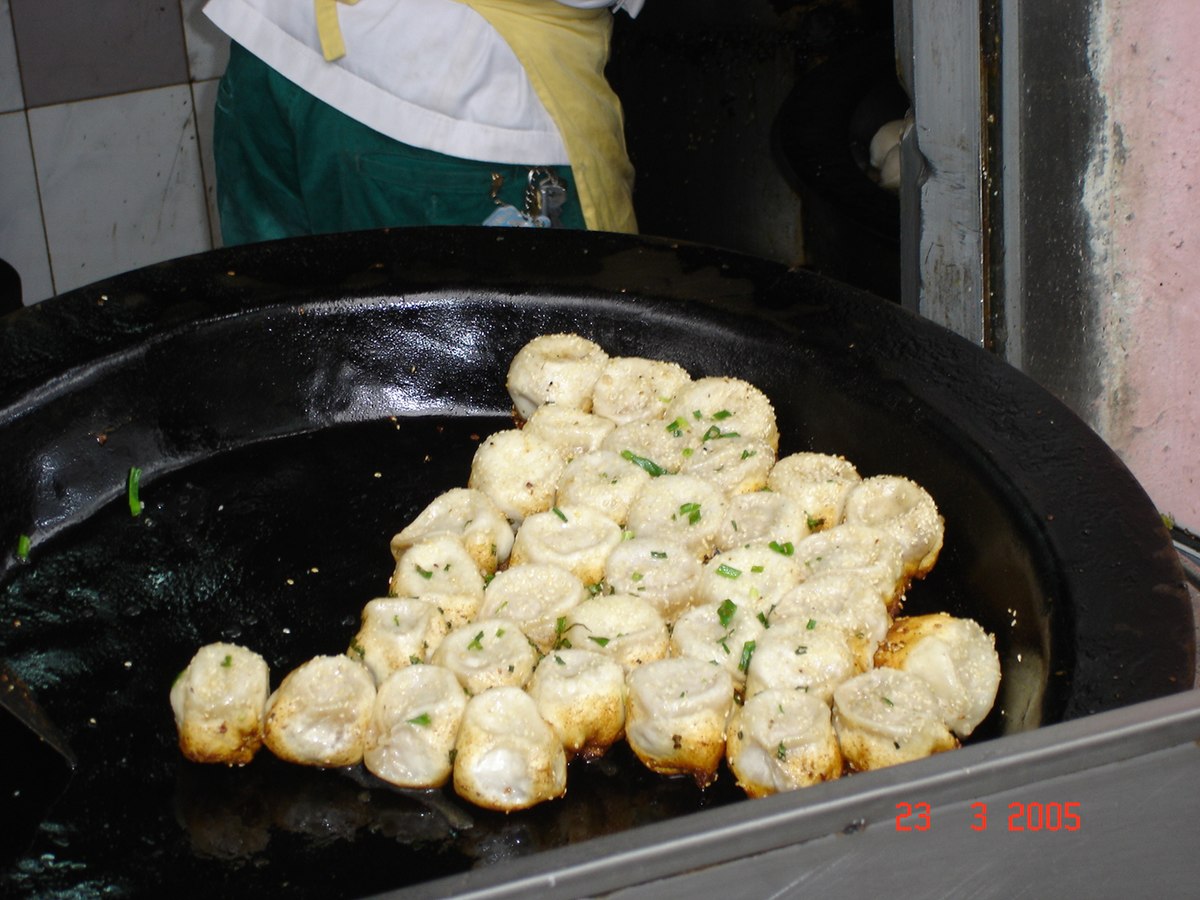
(291, 405)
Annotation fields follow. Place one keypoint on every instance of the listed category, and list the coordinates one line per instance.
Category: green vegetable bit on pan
(135, 504)
(747, 652)
(723, 641)
(725, 611)
(561, 642)
(23, 547)
(649, 466)
(715, 433)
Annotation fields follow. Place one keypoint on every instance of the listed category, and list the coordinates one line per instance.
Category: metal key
(545, 195)
(552, 194)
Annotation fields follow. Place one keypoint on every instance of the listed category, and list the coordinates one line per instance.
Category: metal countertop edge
(709, 838)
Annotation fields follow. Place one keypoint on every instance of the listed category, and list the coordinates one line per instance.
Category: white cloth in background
(429, 73)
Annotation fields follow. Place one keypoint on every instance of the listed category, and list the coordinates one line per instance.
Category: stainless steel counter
(1097, 805)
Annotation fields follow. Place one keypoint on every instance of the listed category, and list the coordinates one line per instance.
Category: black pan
(291, 405)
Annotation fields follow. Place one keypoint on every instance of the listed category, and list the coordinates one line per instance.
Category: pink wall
(1148, 66)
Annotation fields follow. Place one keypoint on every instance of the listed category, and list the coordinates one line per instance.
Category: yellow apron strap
(328, 29)
(564, 51)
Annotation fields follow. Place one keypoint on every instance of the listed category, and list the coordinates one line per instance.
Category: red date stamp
(1034, 816)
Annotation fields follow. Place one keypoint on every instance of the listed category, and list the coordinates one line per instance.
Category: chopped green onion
(747, 653)
(676, 427)
(560, 632)
(558, 512)
(722, 414)
(558, 659)
(762, 617)
(692, 511)
(801, 650)
(727, 571)
(746, 454)
(810, 625)
(757, 569)
(781, 751)
(227, 662)
(815, 523)
(887, 701)
(658, 554)
(422, 719)
(135, 504)
(476, 643)
(725, 611)
(602, 641)
(423, 572)
(786, 548)
(23, 547)
(651, 468)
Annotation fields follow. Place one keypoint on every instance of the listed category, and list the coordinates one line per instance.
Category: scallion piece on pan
(652, 468)
(23, 547)
(135, 504)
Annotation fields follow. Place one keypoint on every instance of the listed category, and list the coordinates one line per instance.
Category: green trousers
(288, 164)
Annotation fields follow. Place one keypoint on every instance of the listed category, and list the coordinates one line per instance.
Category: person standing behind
(337, 115)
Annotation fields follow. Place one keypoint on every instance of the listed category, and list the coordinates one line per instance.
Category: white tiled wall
(97, 185)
